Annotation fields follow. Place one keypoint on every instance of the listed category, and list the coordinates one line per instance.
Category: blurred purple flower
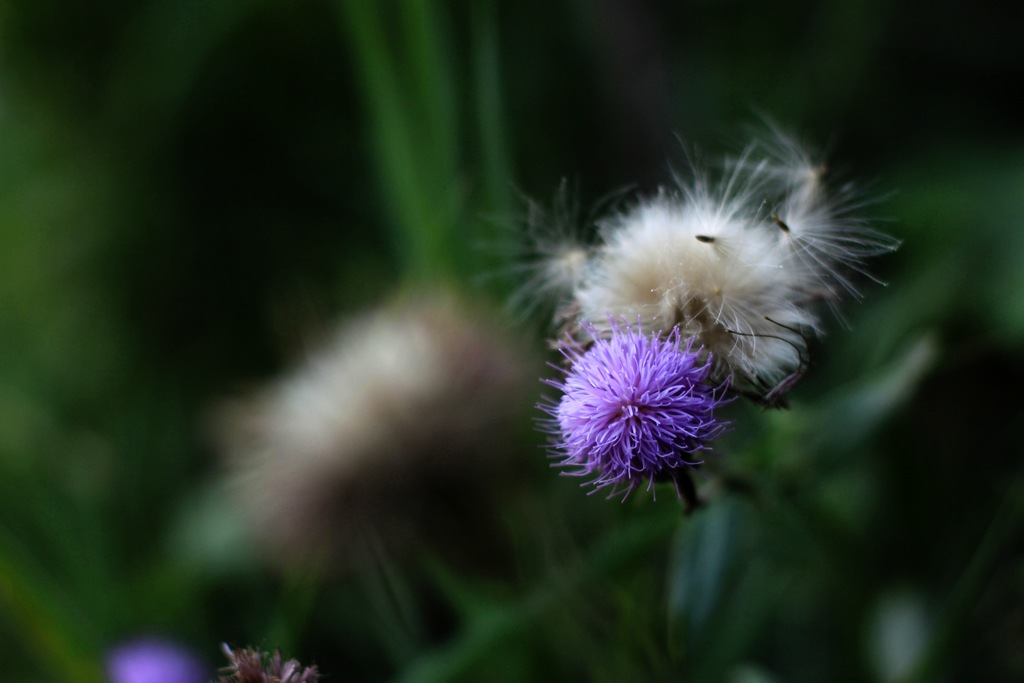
(152, 660)
(633, 408)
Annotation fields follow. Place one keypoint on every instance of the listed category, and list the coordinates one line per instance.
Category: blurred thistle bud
(740, 262)
(154, 660)
(253, 666)
(394, 423)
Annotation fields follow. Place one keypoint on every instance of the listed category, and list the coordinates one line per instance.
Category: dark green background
(186, 187)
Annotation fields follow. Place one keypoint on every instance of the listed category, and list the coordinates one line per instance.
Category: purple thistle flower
(154, 661)
(633, 408)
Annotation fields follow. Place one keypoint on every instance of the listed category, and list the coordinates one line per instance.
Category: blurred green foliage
(187, 188)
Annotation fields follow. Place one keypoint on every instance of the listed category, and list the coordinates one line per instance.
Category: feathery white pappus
(741, 262)
(551, 261)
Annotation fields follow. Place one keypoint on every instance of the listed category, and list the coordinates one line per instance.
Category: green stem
(491, 123)
(416, 179)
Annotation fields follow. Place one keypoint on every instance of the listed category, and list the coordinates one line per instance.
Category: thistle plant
(728, 274)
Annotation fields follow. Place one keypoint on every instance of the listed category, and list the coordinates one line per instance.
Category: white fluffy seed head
(403, 404)
(740, 264)
(822, 231)
(700, 267)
